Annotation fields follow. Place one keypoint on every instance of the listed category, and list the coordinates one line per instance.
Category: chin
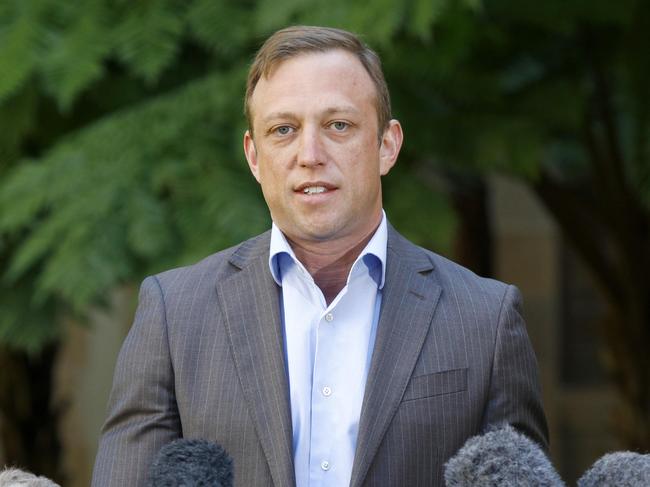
(320, 235)
(321, 232)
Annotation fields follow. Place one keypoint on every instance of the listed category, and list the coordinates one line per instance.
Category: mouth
(314, 188)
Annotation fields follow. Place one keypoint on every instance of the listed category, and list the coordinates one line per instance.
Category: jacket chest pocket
(439, 383)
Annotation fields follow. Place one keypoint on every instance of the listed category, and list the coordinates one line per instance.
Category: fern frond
(221, 26)
(76, 53)
(23, 325)
(147, 38)
(116, 194)
(23, 195)
(17, 118)
(19, 46)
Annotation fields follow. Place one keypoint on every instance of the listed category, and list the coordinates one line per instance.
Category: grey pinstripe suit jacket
(205, 359)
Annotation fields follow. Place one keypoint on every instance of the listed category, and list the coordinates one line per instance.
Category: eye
(339, 126)
(283, 130)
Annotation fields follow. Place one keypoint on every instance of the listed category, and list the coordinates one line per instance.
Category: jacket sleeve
(514, 393)
(142, 410)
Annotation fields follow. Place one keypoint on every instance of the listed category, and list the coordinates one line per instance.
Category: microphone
(501, 458)
(623, 469)
(14, 477)
(191, 463)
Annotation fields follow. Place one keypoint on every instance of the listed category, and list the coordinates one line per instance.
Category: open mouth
(314, 189)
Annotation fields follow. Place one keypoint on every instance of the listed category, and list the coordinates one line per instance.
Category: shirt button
(329, 317)
(327, 391)
(325, 465)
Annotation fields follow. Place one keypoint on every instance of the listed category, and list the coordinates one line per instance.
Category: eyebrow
(329, 111)
(341, 109)
(276, 115)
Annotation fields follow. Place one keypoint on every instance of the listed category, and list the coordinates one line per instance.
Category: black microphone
(622, 469)
(501, 458)
(191, 463)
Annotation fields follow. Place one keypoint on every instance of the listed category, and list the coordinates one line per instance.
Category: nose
(310, 148)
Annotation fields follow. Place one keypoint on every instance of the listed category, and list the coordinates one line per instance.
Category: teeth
(314, 190)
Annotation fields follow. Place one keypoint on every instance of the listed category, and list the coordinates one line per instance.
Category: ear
(391, 143)
(251, 155)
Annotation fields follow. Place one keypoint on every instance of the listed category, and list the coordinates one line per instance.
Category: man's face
(316, 151)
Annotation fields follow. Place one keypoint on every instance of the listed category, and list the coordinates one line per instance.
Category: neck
(329, 263)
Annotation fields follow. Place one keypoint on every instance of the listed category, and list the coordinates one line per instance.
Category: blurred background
(526, 158)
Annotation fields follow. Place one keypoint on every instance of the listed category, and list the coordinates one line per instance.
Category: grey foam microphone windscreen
(620, 469)
(14, 477)
(191, 463)
(501, 458)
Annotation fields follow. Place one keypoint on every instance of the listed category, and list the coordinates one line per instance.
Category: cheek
(365, 166)
(273, 181)
(268, 168)
(353, 158)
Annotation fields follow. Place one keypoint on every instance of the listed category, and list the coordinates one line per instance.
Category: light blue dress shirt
(328, 350)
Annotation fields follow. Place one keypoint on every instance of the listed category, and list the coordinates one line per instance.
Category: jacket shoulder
(454, 274)
(446, 272)
(459, 284)
(217, 266)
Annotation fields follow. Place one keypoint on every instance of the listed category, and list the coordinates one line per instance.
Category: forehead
(309, 79)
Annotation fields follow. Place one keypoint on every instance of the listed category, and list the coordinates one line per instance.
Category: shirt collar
(375, 247)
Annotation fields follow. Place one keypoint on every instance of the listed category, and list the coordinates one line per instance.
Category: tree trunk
(618, 254)
(473, 240)
(29, 418)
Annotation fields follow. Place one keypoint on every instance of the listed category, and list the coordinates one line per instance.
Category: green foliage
(121, 123)
(121, 141)
(147, 36)
(425, 13)
(223, 27)
(24, 324)
(108, 193)
(67, 40)
(16, 119)
(20, 32)
(422, 215)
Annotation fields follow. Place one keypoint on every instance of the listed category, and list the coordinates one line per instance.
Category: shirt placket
(325, 400)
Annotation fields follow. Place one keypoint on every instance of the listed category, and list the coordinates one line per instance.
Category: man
(329, 351)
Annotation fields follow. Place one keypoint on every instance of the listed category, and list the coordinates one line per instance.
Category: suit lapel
(250, 302)
(408, 302)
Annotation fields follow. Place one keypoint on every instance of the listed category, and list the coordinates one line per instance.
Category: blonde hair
(292, 41)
